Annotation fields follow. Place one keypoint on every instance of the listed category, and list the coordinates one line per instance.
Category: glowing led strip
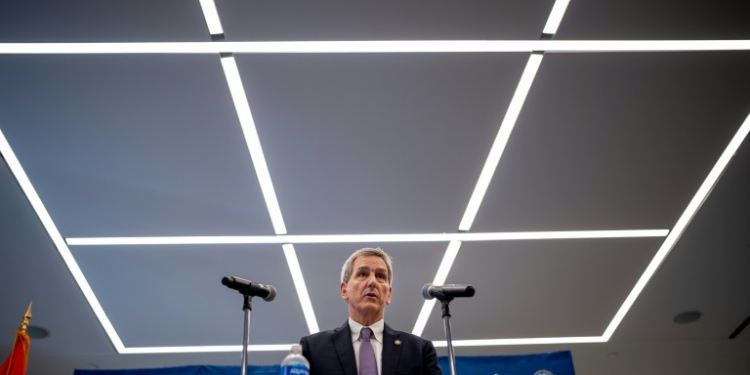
(493, 159)
(365, 238)
(253, 142)
(252, 139)
(211, 15)
(36, 203)
(445, 266)
(555, 17)
(531, 341)
(299, 284)
(383, 46)
(206, 349)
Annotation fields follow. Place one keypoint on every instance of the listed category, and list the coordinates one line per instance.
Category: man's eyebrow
(379, 269)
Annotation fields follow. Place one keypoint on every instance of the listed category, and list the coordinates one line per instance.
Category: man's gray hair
(346, 270)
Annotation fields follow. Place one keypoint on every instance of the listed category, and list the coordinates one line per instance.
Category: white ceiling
(150, 145)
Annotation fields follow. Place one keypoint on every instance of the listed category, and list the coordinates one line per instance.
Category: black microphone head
(470, 291)
(271, 293)
(226, 280)
(426, 291)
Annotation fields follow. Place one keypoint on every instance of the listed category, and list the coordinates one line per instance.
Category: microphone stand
(247, 306)
(445, 301)
(248, 289)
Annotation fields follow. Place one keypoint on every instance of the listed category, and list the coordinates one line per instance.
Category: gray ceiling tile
(132, 146)
(383, 20)
(655, 20)
(173, 296)
(377, 143)
(527, 289)
(628, 150)
(93, 21)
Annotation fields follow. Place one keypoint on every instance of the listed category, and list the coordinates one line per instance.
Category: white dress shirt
(376, 340)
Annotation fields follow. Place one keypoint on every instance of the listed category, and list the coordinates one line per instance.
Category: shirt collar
(377, 330)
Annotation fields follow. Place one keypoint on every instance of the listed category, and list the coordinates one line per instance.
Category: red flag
(19, 355)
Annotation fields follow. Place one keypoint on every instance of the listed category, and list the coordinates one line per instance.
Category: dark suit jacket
(332, 353)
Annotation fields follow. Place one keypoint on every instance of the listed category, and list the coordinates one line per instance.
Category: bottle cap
(296, 349)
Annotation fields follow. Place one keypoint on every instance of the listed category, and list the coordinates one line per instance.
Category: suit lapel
(391, 351)
(342, 341)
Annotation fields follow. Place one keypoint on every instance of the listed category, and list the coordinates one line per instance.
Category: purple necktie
(367, 363)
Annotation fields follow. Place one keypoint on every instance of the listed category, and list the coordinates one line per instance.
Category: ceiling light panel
(207, 349)
(118, 21)
(247, 123)
(211, 15)
(600, 159)
(272, 21)
(156, 147)
(365, 238)
(555, 17)
(542, 289)
(381, 46)
(501, 140)
(391, 164)
(187, 304)
(302, 292)
(528, 341)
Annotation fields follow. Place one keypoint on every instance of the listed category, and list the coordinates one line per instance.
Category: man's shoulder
(322, 334)
(408, 337)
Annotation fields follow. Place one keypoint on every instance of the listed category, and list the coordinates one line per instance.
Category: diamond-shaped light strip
(235, 84)
(493, 159)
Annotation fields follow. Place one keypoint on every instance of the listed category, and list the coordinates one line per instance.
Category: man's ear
(390, 291)
(345, 294)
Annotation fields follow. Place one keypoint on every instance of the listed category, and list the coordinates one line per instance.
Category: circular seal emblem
(544, 372)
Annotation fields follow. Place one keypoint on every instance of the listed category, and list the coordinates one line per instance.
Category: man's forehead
(370, 261)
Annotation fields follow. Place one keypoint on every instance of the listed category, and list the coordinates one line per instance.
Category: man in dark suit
(365, 345)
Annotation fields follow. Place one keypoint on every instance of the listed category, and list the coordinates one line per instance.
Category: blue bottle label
(295, 370)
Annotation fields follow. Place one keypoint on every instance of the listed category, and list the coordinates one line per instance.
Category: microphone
(247, 287)
(447, 291)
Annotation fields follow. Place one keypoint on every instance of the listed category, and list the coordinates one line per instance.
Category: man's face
(368, 289)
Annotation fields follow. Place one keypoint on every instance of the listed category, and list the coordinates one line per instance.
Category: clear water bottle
(295, 363)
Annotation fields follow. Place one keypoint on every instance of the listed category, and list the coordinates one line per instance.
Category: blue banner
(188, 370)
(554, 363)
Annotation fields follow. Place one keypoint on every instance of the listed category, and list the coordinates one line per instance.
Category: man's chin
(371, 308)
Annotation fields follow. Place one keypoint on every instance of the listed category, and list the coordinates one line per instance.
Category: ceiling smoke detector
(687, 317)
(37, 332)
